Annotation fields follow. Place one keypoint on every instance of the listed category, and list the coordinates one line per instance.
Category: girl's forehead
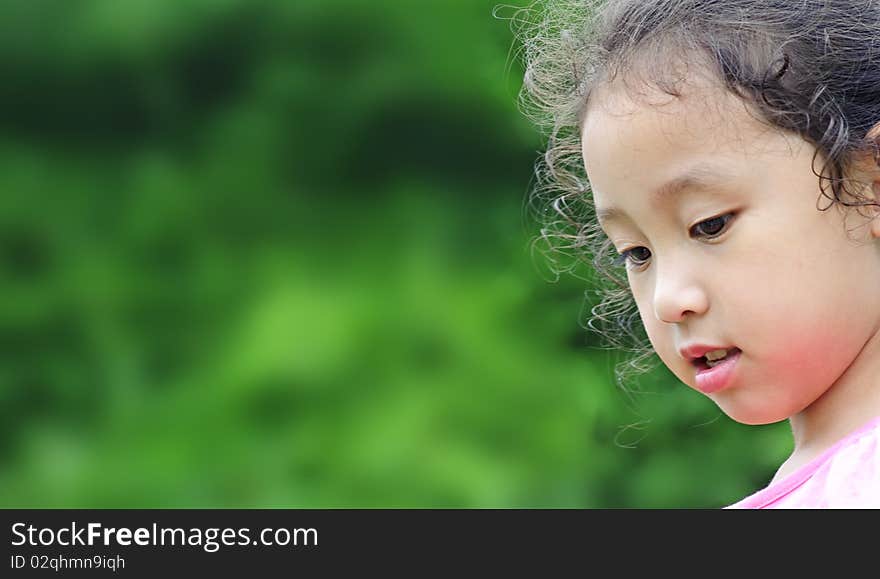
(631, 147)
(658, 79)
(699, 107)
(703, 119)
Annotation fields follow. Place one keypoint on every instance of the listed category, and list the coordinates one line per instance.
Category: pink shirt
(846, 476)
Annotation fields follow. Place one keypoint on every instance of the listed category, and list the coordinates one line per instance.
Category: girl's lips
(716, 378)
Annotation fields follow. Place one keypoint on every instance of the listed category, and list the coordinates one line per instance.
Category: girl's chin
(748, 415)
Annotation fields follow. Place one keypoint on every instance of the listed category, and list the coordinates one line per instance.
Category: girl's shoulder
(847, 475)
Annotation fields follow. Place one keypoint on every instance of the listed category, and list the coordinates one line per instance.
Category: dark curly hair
(808, 67)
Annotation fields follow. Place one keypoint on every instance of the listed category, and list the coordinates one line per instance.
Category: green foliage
(271, 254)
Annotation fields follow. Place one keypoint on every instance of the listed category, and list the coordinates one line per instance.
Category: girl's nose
(678, 292)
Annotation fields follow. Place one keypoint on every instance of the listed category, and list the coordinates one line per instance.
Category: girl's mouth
(704, 363)
(717, 376)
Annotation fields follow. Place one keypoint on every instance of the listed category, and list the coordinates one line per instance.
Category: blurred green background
(274, 254)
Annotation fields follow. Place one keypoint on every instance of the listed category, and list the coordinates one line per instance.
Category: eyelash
(624, 255)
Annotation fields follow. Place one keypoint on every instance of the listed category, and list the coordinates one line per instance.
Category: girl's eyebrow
(699, 177)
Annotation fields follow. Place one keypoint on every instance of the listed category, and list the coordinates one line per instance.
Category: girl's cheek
(640, 296)
(660, 337)
(653, 329)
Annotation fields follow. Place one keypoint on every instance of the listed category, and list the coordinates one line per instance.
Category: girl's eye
(628, 255)
(710, 228)
(713, 227)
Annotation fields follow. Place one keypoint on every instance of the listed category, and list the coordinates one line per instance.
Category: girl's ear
(873, 138)
(875, 220)
(870, 166)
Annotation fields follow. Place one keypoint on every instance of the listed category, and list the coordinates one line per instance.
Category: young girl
(726, 155)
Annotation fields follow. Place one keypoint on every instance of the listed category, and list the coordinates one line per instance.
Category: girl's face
(742, 257)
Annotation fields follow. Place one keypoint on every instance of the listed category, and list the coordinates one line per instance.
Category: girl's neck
(853, 400)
